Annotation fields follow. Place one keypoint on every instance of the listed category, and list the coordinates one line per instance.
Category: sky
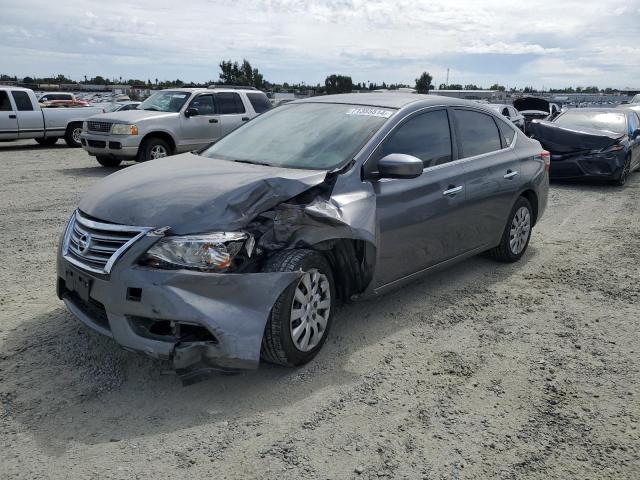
(515, 43)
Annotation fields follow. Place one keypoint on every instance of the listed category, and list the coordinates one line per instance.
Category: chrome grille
(103, 127)
(95, 246)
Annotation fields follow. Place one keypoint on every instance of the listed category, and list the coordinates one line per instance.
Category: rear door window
(478, 133)
(5, 103)
(229, 103)
(633, 123)
(426, 136)
(259, 102)
(23, 102)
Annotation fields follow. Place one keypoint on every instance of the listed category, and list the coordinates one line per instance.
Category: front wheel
(516, 234)
(108, 161)
(300, 318)
(624, 174)
(72, 135)
(152, 149)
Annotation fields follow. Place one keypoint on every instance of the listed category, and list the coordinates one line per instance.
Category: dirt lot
(482, 371)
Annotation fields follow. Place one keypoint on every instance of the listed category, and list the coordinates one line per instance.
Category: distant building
(493, 96)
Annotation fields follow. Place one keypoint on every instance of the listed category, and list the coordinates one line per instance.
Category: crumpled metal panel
(561, 139)
(194, 194)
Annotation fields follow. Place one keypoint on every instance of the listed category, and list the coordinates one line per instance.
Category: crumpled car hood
(559, 139)
(194, 194)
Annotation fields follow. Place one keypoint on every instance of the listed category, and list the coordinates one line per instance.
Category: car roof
(596, 110)
(388, 100)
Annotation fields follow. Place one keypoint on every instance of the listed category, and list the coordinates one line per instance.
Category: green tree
(423, 83)
(495, 86)
(471, 86)
(232, 73)
(338, 84)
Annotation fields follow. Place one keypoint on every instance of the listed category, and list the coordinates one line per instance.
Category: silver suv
(169, 122)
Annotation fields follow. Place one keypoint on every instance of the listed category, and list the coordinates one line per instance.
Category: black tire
(145, 153)
(504, 252)
(278, 346)
(47, 142)
(108, 161)
(72, 135)
(624, 173)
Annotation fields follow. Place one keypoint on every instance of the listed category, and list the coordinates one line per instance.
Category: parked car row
(242, 250)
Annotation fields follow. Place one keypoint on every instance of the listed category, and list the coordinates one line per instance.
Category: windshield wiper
(252, 162)
(153, 108)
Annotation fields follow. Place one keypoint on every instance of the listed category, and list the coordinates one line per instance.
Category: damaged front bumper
(194, 319)
(586, 165)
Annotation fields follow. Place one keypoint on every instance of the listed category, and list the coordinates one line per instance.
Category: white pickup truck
(21, 117)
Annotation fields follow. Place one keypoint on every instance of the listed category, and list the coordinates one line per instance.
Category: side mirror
(191, 112)
(399, 165)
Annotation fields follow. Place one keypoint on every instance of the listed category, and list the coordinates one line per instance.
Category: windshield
(113, 107)
(612, 122)
(165, 101)
(636, 99)
(306, 135)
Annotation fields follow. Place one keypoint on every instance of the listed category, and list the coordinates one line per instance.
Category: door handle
(452, 190)
(213, 120)
(12, 116)
(245, 119)
(510, 174)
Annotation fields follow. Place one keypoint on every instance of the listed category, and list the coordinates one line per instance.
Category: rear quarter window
(23, 102)
(506, 132)
(259, 102)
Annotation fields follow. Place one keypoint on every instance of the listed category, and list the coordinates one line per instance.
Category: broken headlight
(213, 252)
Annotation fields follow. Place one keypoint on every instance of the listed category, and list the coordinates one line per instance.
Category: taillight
(546, 156)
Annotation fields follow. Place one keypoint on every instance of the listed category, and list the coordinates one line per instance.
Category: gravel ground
(481, 371)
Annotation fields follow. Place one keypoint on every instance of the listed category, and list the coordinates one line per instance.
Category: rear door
(634, 125)
(492, 174)
(8, 117)
(420, 223)
(204, 127)
(232, 111)
(30, 120)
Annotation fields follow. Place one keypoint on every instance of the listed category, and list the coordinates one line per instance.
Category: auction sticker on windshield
(370, 112)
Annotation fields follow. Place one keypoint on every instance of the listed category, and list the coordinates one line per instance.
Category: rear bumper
(224, 314)
(604, 166)
(113, 146)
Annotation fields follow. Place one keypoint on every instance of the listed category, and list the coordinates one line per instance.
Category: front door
(419, 219)
(202, 126)
(8, 118)
(30, 120)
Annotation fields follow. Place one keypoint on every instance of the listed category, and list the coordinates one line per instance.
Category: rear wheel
(47, 142)
(108, 161)
(72, 135)
(516, 234)
(300, 319)
(153, 148)
(624, 174)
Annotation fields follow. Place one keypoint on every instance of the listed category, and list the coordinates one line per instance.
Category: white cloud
(294, 40)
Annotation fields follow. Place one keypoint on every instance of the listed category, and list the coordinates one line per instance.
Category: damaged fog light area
(170, 330)
(213, 252)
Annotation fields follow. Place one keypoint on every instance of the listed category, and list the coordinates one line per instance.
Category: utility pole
(447, 77)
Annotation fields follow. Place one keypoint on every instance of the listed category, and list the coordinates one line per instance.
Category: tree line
(244, 74)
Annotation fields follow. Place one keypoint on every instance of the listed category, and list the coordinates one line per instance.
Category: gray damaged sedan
(242, 251)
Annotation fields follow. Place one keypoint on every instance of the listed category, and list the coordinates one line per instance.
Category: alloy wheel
(520, 230)
(157, 151)
(310, 310)
(75, 134)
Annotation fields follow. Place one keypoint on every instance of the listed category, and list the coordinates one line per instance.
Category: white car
(509, 112)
